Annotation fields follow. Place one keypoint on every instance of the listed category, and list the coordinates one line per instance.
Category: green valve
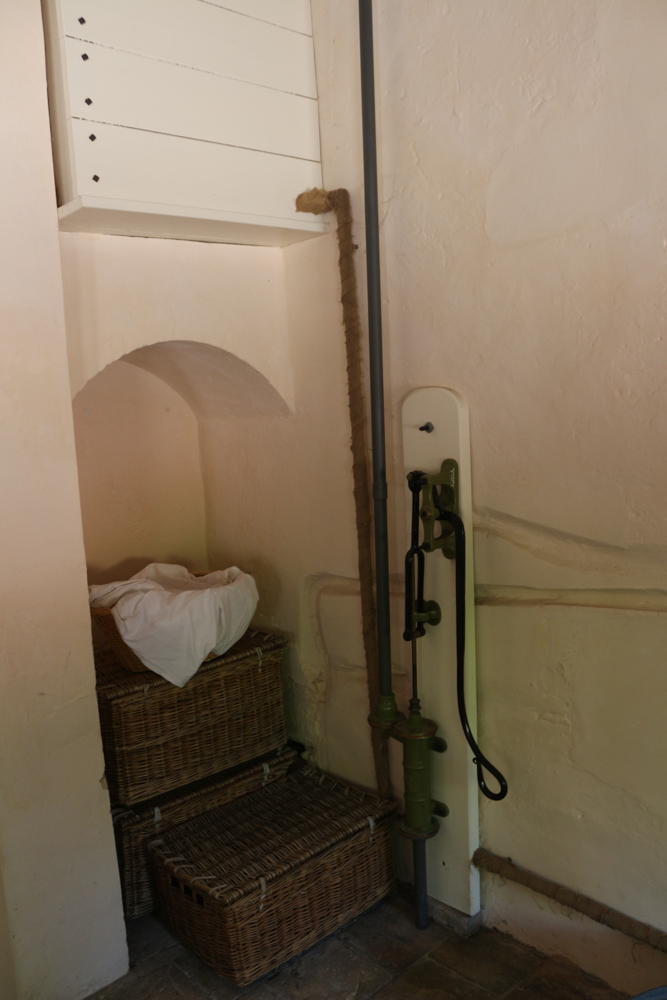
(431, 615)
(439, 493)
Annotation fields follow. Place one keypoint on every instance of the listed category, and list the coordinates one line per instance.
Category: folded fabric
(172, 620)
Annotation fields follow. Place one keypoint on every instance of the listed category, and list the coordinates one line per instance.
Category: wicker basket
(249, 886)
(103, 619)
(158, 737)
(134, 827)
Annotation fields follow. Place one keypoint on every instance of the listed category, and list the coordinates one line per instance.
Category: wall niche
(140, 479)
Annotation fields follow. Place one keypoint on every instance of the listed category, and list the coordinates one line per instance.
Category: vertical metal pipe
(375, 346)
(386, 711)
(421, 900)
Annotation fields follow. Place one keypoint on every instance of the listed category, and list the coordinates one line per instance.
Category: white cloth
(172, 620)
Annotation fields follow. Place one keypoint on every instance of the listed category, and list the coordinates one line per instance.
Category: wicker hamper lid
(163, 808)
(238, 848)
(114, 681)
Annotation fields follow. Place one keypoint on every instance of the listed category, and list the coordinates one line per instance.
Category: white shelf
(87, 214)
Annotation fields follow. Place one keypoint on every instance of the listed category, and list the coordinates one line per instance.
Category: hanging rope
(318, 202)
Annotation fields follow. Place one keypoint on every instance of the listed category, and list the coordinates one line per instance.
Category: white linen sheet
(172, 620)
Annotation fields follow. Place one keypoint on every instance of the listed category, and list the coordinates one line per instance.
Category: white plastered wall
(142, 495)
(63, 936)
(523, 228)
(528, 285)
(122, 294)
(164, 337)
(292, 525)
(277, 495)
(276, 469)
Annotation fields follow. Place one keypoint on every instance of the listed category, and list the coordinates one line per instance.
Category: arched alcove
(137, 430)
(215, 383)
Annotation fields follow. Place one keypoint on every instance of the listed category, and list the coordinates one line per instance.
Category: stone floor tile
(493, 960)
(428, 980)
(558, 979)
(167, 983)
(161, 959)
(146, 937)
(388, 935)
(204, 976)
(258, 991)
(214, 987)
(381, 955)
(333, 970)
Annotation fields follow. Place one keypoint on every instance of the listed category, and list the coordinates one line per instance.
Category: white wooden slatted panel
(145, 167)
(161, 97)
(293, 14)
(199, 35)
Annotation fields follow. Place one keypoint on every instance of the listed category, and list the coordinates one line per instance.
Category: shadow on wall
(213, 382)
(141, 479)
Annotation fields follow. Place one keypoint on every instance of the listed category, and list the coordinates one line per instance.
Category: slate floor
(380, 955)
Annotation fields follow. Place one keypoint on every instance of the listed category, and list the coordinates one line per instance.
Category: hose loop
(479, 759)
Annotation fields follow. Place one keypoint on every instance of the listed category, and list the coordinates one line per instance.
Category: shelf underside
(124, 218)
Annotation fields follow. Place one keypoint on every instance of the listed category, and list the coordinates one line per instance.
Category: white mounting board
(451, 878)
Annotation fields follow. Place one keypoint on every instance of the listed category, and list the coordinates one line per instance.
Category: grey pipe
(375, 347)
(419, 872)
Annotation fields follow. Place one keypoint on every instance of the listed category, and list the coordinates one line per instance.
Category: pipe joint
(386, 714)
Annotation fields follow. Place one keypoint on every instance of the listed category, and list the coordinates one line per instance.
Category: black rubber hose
(479, 759)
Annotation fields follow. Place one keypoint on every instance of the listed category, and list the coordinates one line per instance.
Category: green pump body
(419, 741)
(417, 734)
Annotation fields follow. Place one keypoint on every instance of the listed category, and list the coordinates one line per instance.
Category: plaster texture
(294, 516)
(142, 494)
(61, 917)
(124, 294)
(524, 246)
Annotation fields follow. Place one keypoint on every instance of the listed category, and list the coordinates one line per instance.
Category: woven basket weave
(103, 619)
(135, 826)
(158, 737)
(249, 886)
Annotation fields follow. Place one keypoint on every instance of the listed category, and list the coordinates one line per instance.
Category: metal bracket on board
(440, 493)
